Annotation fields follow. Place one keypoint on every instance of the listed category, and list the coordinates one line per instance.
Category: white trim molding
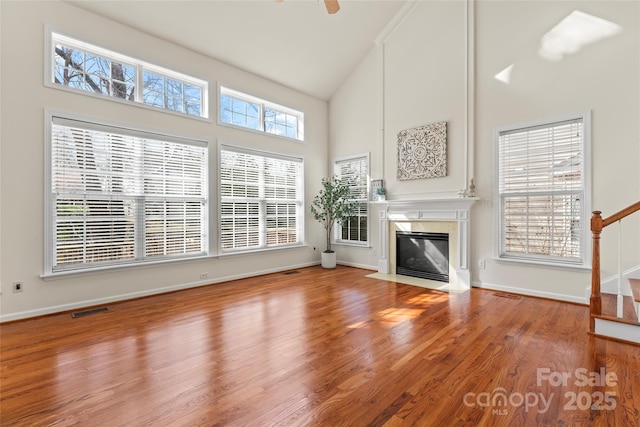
(456, 210)
(533, 293)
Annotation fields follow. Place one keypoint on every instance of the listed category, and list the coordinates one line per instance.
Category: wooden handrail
(619, 215)
(597, 224)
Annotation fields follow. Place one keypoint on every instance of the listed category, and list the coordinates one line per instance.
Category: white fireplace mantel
(439, 209)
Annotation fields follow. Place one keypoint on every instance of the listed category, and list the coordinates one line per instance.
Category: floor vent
(503, 295)
(89, 312)
(291, 272)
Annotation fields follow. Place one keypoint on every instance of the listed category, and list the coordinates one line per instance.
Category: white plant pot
(328, 260)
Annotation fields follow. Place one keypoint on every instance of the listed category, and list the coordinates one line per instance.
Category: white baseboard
(123, 297)
(356, 265)
(610, 284)
(531, 292)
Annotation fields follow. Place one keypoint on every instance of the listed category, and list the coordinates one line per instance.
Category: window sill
(544, 264)
(138, 104)
(115, 268)
(365, 245)
(222, 254)
(259, 132)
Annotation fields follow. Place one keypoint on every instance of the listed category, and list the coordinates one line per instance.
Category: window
(239, 109)
(354, 171)
(88, 68)
(542, 189)
(121, 196)
(261, 200)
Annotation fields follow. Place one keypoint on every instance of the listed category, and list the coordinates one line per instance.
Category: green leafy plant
(332, 205)
(381, 191)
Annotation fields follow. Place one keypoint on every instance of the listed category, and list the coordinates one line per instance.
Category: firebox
(423, 255)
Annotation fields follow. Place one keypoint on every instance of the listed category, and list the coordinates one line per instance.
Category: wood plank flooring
(318, 348)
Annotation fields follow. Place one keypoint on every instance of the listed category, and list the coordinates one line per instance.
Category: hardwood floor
(318, 347)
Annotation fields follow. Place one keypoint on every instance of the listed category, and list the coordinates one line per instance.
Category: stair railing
(597, 225)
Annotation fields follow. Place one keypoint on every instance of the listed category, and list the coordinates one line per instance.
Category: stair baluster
(619, 300)
(597, 225)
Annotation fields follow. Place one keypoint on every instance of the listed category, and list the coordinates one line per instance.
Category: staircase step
(616, 329)
(635, 289)
(616, 319)
(608, 325)
(610, 307)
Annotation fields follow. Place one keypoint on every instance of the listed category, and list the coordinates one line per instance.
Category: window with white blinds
(121, 196)
(542, 189)
(354, 172)
(261, 200)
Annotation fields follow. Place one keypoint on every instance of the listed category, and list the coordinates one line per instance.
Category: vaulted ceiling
(294, 42)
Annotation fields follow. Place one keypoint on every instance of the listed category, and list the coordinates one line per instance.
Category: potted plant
(381, 194)
(330, 206)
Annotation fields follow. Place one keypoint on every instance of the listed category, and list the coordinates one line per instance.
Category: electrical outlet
(204, 275)
(17, 287)
(482, 264)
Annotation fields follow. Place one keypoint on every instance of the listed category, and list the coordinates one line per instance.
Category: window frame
(300, 214)
(140, 260)
(263, 105)
(337, 232)
(53, 37)
(585, 248)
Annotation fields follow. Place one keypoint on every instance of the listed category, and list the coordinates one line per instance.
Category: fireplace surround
(442, 215)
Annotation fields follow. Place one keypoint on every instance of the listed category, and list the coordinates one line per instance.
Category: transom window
(542, 189)
(91, 69)
(261, 200)
(121, 196)
(240, 109)
(354, 172)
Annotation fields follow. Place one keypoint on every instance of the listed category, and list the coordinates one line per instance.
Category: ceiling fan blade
(332, 6)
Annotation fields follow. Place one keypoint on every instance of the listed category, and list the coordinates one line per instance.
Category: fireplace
(448, 215)
(423, 254)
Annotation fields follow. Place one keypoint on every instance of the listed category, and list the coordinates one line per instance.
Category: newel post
(595, 302)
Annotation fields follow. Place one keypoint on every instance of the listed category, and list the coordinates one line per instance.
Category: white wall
(602, 77)
(414, 76)
(23, 100)
(354, 128)
(424, 81)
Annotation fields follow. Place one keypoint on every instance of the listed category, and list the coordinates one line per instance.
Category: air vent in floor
(503, 295)
(291, 272)
(89, 312)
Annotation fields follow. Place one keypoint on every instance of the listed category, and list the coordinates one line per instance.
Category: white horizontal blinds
(282, 192)
(175, 198)
(93, 188)
(354, 173)
(542, 191)
(239, 200)
(260, 200)
(115, 195)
